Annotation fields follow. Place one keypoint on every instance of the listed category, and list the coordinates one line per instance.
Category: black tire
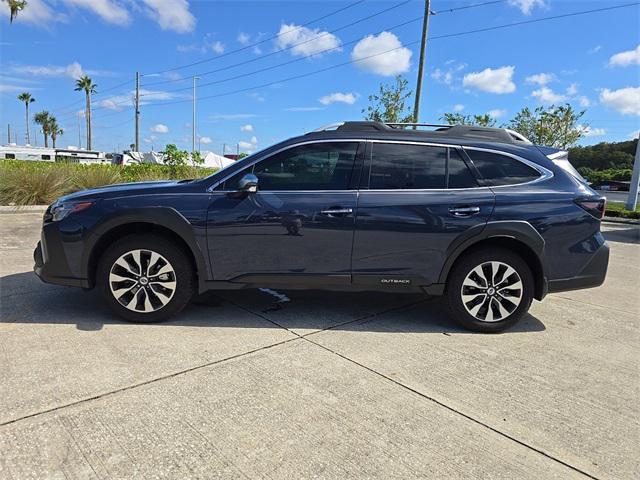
(484, 302)
(178, 275)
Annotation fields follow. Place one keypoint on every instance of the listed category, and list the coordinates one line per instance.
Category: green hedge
(599, 176)
(38, 183)
(618, 210)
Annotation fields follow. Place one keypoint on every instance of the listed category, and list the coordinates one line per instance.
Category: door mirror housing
(248, 183)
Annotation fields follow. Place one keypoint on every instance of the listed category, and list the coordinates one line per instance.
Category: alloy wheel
(491, 291)
(142, 280)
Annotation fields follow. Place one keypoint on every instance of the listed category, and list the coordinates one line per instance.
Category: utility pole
(224, 149)
(423, 51)
(8, 133)
(193, 121)
(137, 113)
(632, 199)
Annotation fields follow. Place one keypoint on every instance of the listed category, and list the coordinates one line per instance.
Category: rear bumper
(592, 275)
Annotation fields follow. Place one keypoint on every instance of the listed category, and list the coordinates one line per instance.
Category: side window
(10, 156)
(396, 166)
(317, 166)
(459, 174)
(498, 169)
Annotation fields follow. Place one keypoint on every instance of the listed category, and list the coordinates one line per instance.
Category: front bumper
(51, 259)
(592, 275)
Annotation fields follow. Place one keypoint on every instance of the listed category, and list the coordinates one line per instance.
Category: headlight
(62, 210)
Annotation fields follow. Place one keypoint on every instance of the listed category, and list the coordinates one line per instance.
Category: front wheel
(490, 289)
(145, 278)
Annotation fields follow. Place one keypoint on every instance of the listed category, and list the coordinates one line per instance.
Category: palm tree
(42, 119)
(85, 83)
(54, 129)
(27, 99)
(15, 6)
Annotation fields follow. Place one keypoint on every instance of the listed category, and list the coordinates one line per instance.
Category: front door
(415, 202)
(300, 222)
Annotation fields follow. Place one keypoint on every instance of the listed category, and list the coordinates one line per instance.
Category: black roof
(441, 132)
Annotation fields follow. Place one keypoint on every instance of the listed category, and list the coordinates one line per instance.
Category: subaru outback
(479, 215)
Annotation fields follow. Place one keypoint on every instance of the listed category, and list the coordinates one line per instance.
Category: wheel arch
(519, 237)
(166, 222)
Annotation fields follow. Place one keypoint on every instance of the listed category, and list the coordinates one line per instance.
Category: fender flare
(166, 217)
(519, 230)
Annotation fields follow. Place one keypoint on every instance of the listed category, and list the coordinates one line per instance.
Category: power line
(331, 67)
(246, 47)
(474, 5)
(289, 62)
(536, 20)
(290, 47)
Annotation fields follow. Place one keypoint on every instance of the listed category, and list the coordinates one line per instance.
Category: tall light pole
(632, 199)
(423, 51)
(193, 121)
(137, 112)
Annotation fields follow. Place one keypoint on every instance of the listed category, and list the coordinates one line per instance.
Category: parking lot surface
(328, 385)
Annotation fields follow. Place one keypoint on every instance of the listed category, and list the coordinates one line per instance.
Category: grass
(618, 210)
(38, 183)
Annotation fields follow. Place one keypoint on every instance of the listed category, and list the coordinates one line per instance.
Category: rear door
(415, 201)
(299, 223)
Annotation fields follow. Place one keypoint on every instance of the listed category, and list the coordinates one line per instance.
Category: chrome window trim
(545, 174)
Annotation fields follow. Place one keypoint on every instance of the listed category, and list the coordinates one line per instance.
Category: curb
(8, 209)
(627, 221)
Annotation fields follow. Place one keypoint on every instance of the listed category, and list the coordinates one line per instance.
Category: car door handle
(464, 211)
(337, 211)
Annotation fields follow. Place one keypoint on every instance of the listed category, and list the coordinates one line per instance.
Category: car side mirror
(248, 183)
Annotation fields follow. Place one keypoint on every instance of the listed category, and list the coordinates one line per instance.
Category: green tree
(196, 158)
(484, 120)
(26, 98)
(15, 6)
(85, 84)
(174, 156)
(604, 155)
(553, 126)
(54, 130)
(389, 104)
(42, 119)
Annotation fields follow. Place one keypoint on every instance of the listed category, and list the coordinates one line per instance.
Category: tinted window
(498, 169)
(46, 157)
(319, 166)
(459, 174)
(10, 156)
(404, 166)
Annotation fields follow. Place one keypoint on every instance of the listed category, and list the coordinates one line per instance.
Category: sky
(269, 70)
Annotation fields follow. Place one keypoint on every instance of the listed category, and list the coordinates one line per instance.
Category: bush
(36, 183)
(618, 210)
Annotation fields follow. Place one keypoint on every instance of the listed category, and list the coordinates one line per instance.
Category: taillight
(594, 205)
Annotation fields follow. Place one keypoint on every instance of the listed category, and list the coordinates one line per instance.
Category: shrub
(91, 176)
(30, 186)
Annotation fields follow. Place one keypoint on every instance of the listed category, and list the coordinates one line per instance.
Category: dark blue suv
(479, 215)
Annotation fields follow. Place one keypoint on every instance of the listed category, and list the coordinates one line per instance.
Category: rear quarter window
(496, 169)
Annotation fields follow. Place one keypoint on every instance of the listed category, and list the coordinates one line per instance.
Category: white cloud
(624, 59)
(160, 128)
(595, 49)
(348, 98)
(118, 102)
(497, 113)
(73, 70)
(206, 140)
(624, 100)
(304, 109)
(258, 97)
(572, 89)
(397, 58)
(110, 11)
(447, 75)
(526, 6)
(634, 135)
(541, 79)
(584, 101)
(589, 131)
(499, 80)
(150, 139)
(217, 47)
(243, 38)
(458, 107)
(38, 13)
(547, 96)
(254, 140)
(304, 41)
(171, 15)
(246, 145)
(246, 128)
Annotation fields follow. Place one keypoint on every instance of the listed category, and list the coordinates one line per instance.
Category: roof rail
(404, 124)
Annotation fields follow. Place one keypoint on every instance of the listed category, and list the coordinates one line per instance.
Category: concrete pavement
(326, 385)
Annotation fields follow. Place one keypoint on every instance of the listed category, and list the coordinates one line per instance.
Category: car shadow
(626, 234)
(25, 299)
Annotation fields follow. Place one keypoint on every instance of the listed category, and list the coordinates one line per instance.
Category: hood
(121, 189)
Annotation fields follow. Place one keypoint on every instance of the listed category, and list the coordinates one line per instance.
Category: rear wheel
(145, 278)
(490, 289)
